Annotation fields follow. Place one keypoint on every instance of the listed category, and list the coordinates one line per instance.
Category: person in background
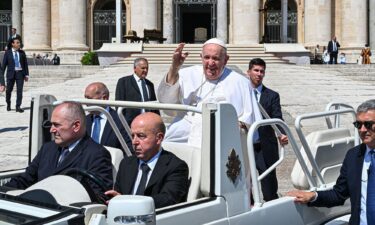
(366, 55)
(17, 72)
(342, 58)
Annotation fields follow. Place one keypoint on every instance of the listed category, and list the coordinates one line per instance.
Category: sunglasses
(367, 124)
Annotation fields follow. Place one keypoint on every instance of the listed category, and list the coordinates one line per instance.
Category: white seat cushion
(192, 156)
(328, 148)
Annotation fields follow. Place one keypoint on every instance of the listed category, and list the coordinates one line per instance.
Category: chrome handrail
(337, 106)
(303, 140)
(254, 176)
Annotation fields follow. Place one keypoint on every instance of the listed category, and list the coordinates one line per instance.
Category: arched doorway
(195, 20)
(273, 21)
(5, 22)
(104, 19)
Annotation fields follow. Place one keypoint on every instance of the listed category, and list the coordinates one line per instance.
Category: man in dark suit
(357, 175)
(152, 171)
(17, 72)
(136, 88)
(333, 50)
(266, 146)
(72, 148)
(97, 125)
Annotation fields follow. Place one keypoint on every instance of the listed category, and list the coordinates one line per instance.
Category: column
(168, 21)
(353, 23)
(16, 15)
(245, 24)
(144, 15)
(372, 24)
(317, 33)
(118, 21)
(284, 21)
(37, 22)
(72, 25)
(222, 21)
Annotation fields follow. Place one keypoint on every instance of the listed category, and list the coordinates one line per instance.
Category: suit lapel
(132, 173)
(89, 120)
(107, 128)
(73, 156)
(134, 84)
(357, 172)
(160, 168)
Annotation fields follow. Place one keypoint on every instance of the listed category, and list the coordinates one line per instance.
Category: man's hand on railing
(283, 139)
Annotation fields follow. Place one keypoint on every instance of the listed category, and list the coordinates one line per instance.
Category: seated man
(98, 126)
(152, 171)
(72, 148)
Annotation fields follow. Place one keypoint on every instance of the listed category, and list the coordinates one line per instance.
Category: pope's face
(214, 59)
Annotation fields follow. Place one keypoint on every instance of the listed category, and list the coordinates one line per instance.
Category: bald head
(97, 90)
(152, 120)
(148, 132)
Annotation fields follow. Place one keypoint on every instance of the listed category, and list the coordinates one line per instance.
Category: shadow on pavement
(7, 129)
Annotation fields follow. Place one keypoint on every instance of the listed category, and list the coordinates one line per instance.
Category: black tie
(142, 184)
(144, 90)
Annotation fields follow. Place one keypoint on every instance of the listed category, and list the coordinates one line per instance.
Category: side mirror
(131, 209)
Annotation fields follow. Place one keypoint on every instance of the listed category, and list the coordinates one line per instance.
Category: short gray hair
(75, 111)
(366, 106)
(138, 60)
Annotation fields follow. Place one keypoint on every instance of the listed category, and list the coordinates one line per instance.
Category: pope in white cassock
(211, 82)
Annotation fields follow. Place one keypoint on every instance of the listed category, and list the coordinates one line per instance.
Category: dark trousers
(333, 58)
(18, 79)
(269, 183)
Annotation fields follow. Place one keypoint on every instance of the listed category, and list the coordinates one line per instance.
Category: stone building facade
(80, 25)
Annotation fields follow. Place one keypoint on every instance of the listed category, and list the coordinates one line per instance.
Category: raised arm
(177, 61)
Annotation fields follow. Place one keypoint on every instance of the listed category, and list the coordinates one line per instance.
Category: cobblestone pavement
(302, 90)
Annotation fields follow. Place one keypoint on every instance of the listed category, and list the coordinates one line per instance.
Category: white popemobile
(222, 174)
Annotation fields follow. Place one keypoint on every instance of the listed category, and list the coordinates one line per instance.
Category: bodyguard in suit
(152, 171)
(97, 125)
(17, 72)
(136, 88)
(333, 50)
(357, 175)
(265, 144)
(72, 148)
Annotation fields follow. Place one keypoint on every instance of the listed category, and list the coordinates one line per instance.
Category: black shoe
(18, 109)
(8, 107)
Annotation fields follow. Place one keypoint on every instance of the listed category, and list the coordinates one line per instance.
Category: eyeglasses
(367, 124)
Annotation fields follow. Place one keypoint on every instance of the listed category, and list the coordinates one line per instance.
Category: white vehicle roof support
(113, 125)
(304, 143)
(123, 120)
(337, 106)
(254, 177)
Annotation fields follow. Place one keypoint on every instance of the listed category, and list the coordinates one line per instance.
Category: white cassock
(192, 88)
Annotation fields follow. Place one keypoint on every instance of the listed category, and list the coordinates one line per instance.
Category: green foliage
(90, 58)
